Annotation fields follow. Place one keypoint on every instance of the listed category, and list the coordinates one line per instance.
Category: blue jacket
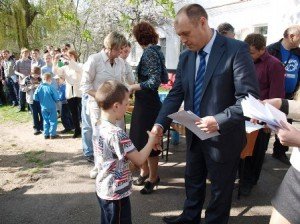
(46, 95)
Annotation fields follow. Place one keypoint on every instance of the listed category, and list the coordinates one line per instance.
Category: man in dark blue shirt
(288, 52)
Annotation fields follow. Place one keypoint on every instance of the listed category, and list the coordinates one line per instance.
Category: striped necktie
(199, 82)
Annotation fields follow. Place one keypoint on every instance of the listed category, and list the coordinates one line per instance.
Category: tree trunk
(24, 15)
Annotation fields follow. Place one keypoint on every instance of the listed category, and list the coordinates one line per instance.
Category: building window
(262, 29)
(163, 44)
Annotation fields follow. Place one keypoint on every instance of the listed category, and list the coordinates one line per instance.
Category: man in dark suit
(227, 75)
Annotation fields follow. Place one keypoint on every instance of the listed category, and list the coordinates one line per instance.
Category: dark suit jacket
(230, 76)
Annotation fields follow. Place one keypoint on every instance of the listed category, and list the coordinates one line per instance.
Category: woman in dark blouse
(147, 103)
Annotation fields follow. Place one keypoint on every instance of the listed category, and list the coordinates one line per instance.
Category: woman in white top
(72, 73)
(287, 199)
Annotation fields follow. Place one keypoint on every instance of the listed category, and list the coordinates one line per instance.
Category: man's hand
(158, 131)
(208, 124)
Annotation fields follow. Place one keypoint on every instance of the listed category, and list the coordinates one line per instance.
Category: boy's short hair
(110, 92)
(24, 49)
(36, 70)
(47, 76)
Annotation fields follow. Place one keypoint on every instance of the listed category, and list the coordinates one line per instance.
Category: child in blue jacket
(48, 96)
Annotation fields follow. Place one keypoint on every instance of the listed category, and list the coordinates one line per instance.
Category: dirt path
(46, 181)
(26, 158)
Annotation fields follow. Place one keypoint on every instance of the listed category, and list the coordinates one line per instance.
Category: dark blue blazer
(230, 75)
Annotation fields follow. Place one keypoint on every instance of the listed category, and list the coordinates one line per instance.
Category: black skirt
(146, 108)
(287, 198)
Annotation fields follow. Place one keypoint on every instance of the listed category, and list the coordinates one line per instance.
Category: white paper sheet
(188, 119)
(253, 108)
(250, 127)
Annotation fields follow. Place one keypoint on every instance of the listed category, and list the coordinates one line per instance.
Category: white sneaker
(94, 173)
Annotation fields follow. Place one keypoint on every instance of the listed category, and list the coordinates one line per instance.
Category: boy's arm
(140, 157)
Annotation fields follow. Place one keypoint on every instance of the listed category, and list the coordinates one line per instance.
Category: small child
(66, 118)
(31, 83)
(113, 150)
(47, 96)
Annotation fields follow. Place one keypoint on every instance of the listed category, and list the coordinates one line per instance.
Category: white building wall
(244, 15)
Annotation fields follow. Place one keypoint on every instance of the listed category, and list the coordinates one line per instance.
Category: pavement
(66, 194)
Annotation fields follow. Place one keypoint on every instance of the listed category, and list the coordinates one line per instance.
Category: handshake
(155, 137)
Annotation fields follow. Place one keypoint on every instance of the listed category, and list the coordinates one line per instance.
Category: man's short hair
(114, 40)
(110, 92)
(193, 11)
(67, 45)
(5, 51)
(36, 50)
(225, 28)
(295, 29)
(256, 40)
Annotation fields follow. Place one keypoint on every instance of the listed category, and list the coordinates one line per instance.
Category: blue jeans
(36, 115)
(66, 118)
(86, 130)
(50, 121)
(115, 211)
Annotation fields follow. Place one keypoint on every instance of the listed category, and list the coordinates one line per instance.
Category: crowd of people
(214, 74)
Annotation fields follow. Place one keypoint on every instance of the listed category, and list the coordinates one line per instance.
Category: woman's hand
(288, 135)
(276, 102)
(134, 87)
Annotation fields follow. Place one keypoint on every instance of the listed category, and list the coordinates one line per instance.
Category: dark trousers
(278, 148)
(12, 91)
(75, 109)
(66, 118)
(222, 176)
(36, 115)
(22, 100)
(253, 164)
(115, 211)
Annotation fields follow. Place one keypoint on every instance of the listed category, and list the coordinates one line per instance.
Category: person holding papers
(287, 199)
(213, 75)
(288, 52)
(270, 73)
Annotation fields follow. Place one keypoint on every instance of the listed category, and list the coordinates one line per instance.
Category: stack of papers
(188, 119)
(255, 109)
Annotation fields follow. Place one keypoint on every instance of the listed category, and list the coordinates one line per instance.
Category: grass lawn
(11, 114)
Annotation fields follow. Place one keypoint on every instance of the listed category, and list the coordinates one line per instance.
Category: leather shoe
(175, 220)
(282, 158)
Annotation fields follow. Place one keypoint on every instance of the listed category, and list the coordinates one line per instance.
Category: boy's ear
(116, 105)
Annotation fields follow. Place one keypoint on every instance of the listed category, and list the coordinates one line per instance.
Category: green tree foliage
(83, 23)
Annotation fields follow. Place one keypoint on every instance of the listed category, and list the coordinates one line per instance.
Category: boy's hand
(153, 139)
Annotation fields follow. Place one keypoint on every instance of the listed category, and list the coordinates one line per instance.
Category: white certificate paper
(188, 119)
